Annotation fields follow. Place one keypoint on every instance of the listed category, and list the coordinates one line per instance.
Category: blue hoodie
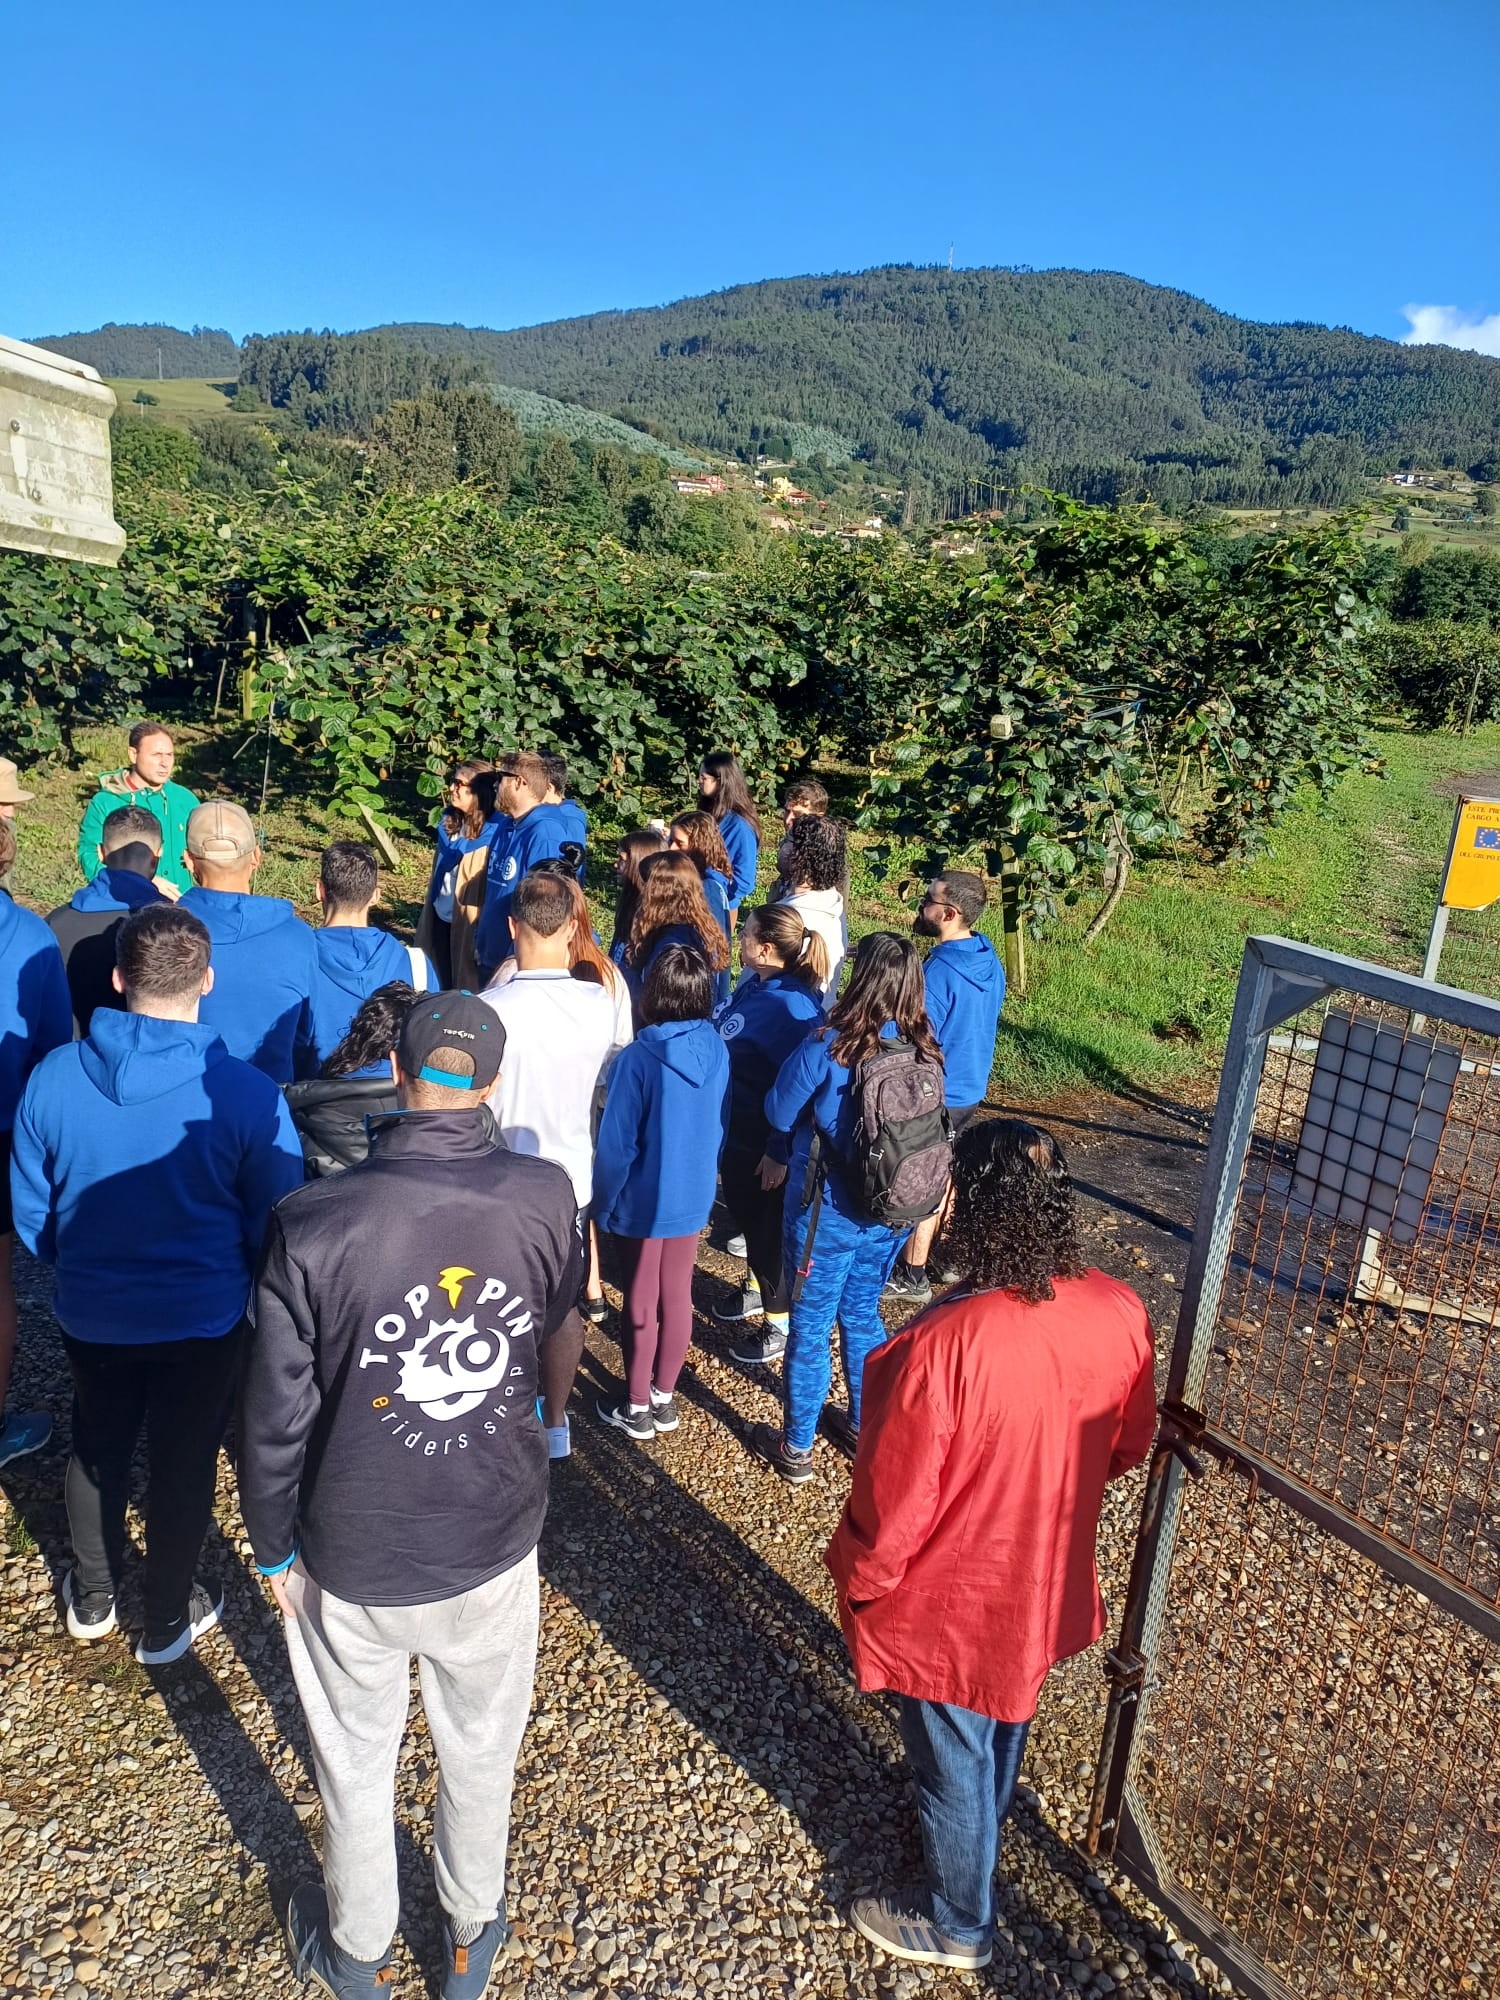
(575, 825)
(811, 1093)
(36, 1010)
(116, 889)
(535, 836)
(965, 992)
(267, 988)
(665, 1112)
(761, 1025)
(146, 1160)
(354, 961)
(743, 849)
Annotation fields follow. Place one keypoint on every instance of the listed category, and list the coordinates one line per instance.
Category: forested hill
(136, 351)
(1089, 380)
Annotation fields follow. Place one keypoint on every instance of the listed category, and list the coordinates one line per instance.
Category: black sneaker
(90, 1615)
(946, 1274)
(842, 1430)
(795, 1467)
(159, 1649)
(635, 1423)
(593, 1310)
(664, 1413)
(905, 1283)
(743, 1305)
(759, 1353)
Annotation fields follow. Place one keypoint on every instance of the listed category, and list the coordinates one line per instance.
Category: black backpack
(903, 1140)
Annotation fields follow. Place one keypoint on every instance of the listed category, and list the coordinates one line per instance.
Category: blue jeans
(851, 1261)
(966, 1766)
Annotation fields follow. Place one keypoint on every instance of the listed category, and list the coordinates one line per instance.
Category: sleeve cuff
(277, 1569)
(777, 1148)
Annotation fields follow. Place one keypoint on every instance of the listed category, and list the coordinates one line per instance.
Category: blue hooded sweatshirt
(116, 889)
(145, 1162)
(267, 987)
(812, 1093)
(36, 1010)
(657, 1162)
(743, 849)
(760, 1026)
(536, 836)
(965, 992)
(575, 825)
(354, 961)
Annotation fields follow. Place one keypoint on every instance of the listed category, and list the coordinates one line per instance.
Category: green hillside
(149, 352)
(539, 415)
(1087, 380)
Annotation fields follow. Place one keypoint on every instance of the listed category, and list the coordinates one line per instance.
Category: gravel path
(701, 1788)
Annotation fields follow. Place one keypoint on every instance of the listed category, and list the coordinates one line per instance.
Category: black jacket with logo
(388, 1422)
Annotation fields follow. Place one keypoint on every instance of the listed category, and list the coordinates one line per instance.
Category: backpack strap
(416, 958)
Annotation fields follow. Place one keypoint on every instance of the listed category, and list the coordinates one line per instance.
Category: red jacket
(965, 1557)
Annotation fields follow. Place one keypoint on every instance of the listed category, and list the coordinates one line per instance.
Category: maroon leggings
(658, 1311)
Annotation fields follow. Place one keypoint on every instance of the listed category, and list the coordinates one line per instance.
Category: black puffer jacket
(330, 1113)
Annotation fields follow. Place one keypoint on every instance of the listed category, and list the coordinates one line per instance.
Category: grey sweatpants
(476, 1658)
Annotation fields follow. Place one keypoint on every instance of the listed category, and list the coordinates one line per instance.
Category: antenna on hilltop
(950, 256)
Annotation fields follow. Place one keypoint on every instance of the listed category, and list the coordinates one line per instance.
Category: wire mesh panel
(1300, 1760)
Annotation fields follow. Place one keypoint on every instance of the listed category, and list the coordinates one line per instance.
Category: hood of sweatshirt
(343, 949)
(824, 902)
(133, 1058)
(116, 889)
(972, 959)
(11, 920)
(690, 1049)
(231, 917)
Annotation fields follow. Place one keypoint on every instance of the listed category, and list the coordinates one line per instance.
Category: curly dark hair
(1013, 1226)
(374, 1031)
(813, 854)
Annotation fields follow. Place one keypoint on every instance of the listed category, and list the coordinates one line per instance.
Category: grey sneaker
(625, 1417)
(902, 1930)
(744, 1305)
(795, 1467)
(318, 1961)
(159, 1649)
(664, 1412)
(758, 1353)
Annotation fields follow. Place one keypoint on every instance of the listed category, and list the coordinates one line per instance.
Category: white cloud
(1450, 326)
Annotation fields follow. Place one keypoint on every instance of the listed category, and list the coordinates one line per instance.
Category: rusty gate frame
(1278, 980)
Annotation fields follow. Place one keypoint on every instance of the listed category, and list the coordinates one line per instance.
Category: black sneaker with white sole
(760, 1352)
(795, 1467)
(635, 1423)
(743, 1305)
(160, 1649)
(909, 1285)
(664, 1415)
(90, 1614)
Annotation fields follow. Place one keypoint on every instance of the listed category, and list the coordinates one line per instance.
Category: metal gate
(1301, 1760)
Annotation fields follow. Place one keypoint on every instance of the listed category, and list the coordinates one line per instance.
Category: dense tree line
(342, 382)
(1091, 382)
(135, 351)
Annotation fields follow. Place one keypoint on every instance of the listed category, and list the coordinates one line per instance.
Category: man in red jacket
(965, 1557)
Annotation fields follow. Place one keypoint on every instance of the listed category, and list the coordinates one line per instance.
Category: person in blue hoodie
(666, 1109)
(723, 791)
(537, 832)
(267, 989)
(574, 820)
(355, 957)
(965, 983)
(86, 926)
(697, 834)
(774, 1009)
(146, 1161)
(840, 1254)
(36, 1016)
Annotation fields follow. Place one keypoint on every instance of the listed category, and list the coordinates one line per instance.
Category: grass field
(181, 401)
(1146, 1006)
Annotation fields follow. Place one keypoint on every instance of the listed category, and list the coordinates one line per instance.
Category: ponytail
(803, 953)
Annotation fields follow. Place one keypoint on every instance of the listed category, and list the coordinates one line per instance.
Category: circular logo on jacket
(509, 869)
(731, 1026)
(453, 1367)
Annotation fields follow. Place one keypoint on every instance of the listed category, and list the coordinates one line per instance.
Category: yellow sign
(1471, 880)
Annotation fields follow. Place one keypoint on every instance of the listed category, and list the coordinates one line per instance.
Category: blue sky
(338, 164)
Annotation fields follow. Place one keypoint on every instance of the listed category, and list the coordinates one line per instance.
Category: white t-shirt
(561, 1034)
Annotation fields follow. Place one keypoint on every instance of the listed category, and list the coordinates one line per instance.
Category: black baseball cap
(458, 1021)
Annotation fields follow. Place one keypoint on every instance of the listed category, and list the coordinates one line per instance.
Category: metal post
(1434, 946)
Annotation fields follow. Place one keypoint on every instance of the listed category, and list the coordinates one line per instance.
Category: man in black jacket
(86, 927)
(393, 1475)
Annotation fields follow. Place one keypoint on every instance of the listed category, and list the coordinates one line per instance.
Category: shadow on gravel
(762, 1673)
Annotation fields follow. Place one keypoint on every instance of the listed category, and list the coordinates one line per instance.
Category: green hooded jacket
(171, 805)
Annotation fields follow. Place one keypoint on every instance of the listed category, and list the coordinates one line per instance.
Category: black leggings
(757, 1211)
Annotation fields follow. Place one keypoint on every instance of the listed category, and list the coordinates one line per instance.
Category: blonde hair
(803, 953)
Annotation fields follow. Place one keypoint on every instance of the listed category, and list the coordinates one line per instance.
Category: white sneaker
(736, 1247)
(559, 1440)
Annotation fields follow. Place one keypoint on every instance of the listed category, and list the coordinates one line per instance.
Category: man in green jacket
(145, 781)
